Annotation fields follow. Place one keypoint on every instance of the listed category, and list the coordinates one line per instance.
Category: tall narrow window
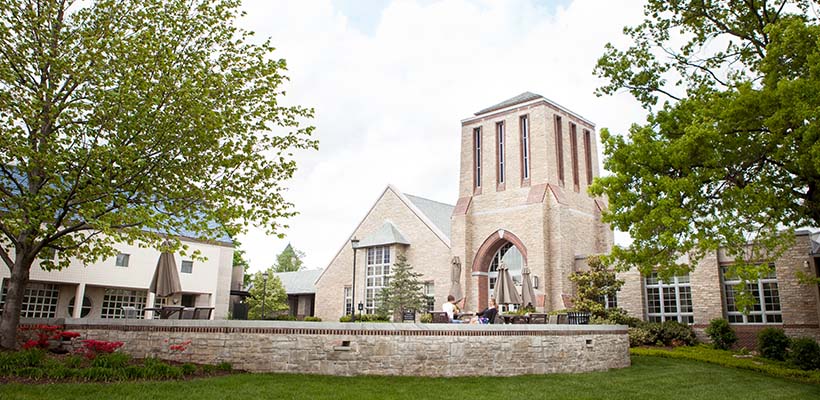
(588, 154)
(477, 156)
(559, 148)
(377, 276)
(499, 133)
(348, 299)
(525, 147)
(573, 143)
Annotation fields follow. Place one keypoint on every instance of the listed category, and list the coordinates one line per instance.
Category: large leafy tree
(289, 260)
(268, 296)
(729, 154)
(132, 120)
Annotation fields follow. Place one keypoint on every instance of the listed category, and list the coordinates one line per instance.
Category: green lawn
(649, 377)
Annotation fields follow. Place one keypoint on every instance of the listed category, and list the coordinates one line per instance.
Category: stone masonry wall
(372, 349)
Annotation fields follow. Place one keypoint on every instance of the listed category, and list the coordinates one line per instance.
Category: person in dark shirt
(490, 312)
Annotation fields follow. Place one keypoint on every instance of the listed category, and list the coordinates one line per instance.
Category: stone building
(526, 164)
(708, 292)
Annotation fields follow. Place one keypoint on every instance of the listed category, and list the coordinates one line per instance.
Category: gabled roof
(438, 213)
(386, 234)
(521, 98)
(299, 282)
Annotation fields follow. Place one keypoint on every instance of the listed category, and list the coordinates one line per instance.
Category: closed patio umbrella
(505, 292)
(527, 292)
(166, 278)
(455, 280)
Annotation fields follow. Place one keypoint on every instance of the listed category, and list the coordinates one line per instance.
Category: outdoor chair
(440, 317)
(578, 318)
(562, 319)
(538, 318)
(519, 319)
(202, 312)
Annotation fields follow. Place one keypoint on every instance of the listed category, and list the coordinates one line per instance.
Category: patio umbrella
(166, 277)
(505, 292)
(527, 292)
(455, 280)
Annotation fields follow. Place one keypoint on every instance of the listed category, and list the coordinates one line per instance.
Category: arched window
(514, 261)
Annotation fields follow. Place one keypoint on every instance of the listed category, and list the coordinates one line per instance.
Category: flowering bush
(48, 337)
(93, 348)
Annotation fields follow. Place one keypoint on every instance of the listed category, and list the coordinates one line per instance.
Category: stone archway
(483, 258)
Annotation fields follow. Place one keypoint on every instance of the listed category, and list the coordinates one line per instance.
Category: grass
(648, 377)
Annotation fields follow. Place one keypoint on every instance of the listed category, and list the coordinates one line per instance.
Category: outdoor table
(508, 318)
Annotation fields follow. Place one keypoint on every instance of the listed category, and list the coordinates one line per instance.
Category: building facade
(526, 164)
(102, 289)
(301, 290)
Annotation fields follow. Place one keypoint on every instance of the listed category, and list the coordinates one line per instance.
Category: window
(588, 154)
(377, 276)
(39, 300)
(115, 299)
(187, 267)
(609, 301)
(122, 260)
(348, 300)
(85, 308)
(159, 302)
(430, 294)
(559, 148)
(499, 133)
(767, 299)
(477, 157)
(525, 147)
(667, 301)
(535, 281)
(514, 261)
(188, 300)
(573, 143)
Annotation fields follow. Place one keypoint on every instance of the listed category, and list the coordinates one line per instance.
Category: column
(79, 295)
(149, 303)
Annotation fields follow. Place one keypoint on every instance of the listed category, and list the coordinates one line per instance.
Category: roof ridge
(434, 201)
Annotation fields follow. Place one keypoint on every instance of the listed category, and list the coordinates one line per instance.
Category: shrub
(639, 337)
(98, 374)
(74, 361)
(111, 360)
(208, 369)
(313, 319)
(284, 317)
(93, 348)
(31, 372)
(722, 335)
(154, 368)
(344, 318)
(224, 366)
(674, 333)
(188, 369)
(426, 318)
(805, 354)
(772, 343)
(11, 361)
(618, 316)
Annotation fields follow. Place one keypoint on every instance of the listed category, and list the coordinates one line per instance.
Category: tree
(273, 293)
(135, 121)
(289, 260)
(404, 291)
(239, 261)
(593, 285)
(731, 158)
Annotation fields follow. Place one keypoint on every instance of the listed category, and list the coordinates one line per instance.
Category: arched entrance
(500, 246)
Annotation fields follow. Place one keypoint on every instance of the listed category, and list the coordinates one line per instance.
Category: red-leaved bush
(92, 348)
(44, 334)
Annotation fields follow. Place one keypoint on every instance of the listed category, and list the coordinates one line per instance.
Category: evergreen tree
(289, 260)
(404, 291)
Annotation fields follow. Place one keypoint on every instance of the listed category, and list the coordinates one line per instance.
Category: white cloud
(388, 105)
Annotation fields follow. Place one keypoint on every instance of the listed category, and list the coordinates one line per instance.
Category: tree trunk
(14, 299)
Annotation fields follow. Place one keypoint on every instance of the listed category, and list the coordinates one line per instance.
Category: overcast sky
(390, 81)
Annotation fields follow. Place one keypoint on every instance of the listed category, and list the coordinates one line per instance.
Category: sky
(390, 82)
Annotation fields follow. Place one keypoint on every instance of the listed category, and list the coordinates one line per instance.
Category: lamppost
(354, 243)
(264, 292)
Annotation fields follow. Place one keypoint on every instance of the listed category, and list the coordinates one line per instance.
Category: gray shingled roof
(526, 96)
(386, 234)
(299, 282)
(438, 213)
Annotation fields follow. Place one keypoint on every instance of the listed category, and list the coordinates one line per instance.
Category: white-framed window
(525, 147)
(39, 299)
(377, 276)
(85, 307)
(115, 299)
(477, 156)
(430, 294)
(514, 261)
(122, 260)
(348, 300)
(499, 133)
(187, 267)
(667, 301)
(159, 302)
(535, 282)
(767, 299)
(609, 301)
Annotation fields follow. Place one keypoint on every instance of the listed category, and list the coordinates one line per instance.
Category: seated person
(490, 312)
(451, 309)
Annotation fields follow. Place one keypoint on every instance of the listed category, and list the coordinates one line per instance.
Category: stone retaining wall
(371, 348)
